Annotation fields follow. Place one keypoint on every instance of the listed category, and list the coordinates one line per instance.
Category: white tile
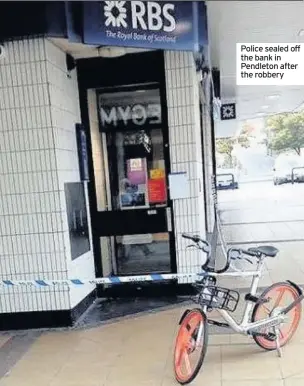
(8, 76)
(43, 117)
(31, 50)
(10, 101)
(40, 49)
(3, 82)
(3, 119)
(44, 95)
(55, 55)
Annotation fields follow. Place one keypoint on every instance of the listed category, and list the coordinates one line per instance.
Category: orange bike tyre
(278, 292)
(185, 345)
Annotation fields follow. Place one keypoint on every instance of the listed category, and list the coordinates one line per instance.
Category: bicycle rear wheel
(191, 345)
(280, 295)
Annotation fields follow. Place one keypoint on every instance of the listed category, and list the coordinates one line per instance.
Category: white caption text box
(270, 64)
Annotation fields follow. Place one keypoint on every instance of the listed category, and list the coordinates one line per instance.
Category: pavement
(261, 202)
(138, 349)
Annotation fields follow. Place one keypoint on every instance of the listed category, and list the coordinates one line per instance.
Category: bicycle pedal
(262, 301)
(272, 337)
(218, 324)
(255, 299)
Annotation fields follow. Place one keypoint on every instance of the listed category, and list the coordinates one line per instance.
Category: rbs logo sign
(146, 16)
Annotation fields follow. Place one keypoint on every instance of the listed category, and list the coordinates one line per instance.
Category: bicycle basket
(217, 297)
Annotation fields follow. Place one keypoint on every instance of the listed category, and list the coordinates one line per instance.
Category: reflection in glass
(143, 253)
(138, 169)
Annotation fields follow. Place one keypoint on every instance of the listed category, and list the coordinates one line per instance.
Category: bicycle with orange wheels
(266, 319)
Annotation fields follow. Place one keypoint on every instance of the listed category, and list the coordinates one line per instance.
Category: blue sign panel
(175, 25)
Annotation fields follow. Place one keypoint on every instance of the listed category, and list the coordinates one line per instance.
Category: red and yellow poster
(157, 191)
(156, 174)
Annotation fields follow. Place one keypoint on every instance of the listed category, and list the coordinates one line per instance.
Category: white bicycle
(266, 319)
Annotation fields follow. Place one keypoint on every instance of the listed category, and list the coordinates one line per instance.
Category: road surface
(260, 211)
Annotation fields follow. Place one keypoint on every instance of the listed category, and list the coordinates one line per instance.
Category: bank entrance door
(135, 226)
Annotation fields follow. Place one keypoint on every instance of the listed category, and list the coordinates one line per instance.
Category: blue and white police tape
(103, 280)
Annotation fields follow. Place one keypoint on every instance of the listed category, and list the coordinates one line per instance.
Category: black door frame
(204, 182)
(147, 67)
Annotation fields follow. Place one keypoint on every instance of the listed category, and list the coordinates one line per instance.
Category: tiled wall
(38, 112)
(186, 153)
(65, 112)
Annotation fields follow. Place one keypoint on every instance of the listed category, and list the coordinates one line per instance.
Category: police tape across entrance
(76, 282)
(273, 64)
(113, 280)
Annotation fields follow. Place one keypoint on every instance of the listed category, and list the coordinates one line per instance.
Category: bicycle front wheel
(280, 295)
(191, 346)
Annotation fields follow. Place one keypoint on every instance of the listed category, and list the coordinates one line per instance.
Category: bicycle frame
(246, 327)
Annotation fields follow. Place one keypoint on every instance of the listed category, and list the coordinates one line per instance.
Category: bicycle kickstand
(278, 346)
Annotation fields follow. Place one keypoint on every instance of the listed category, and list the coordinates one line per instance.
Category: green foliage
(225, 145)
(286, 132)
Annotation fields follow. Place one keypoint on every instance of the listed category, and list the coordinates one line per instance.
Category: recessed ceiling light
(265, 107)
(301, 32)
(274, 96)
(260, 114)
(111, 52)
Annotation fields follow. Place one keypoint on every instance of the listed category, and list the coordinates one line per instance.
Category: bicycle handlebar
(195, 238)
(207, 249)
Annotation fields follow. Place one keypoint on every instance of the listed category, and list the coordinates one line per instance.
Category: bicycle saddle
(266, 250)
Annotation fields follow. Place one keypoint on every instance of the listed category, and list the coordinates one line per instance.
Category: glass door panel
(138, 218)
(138, 254)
